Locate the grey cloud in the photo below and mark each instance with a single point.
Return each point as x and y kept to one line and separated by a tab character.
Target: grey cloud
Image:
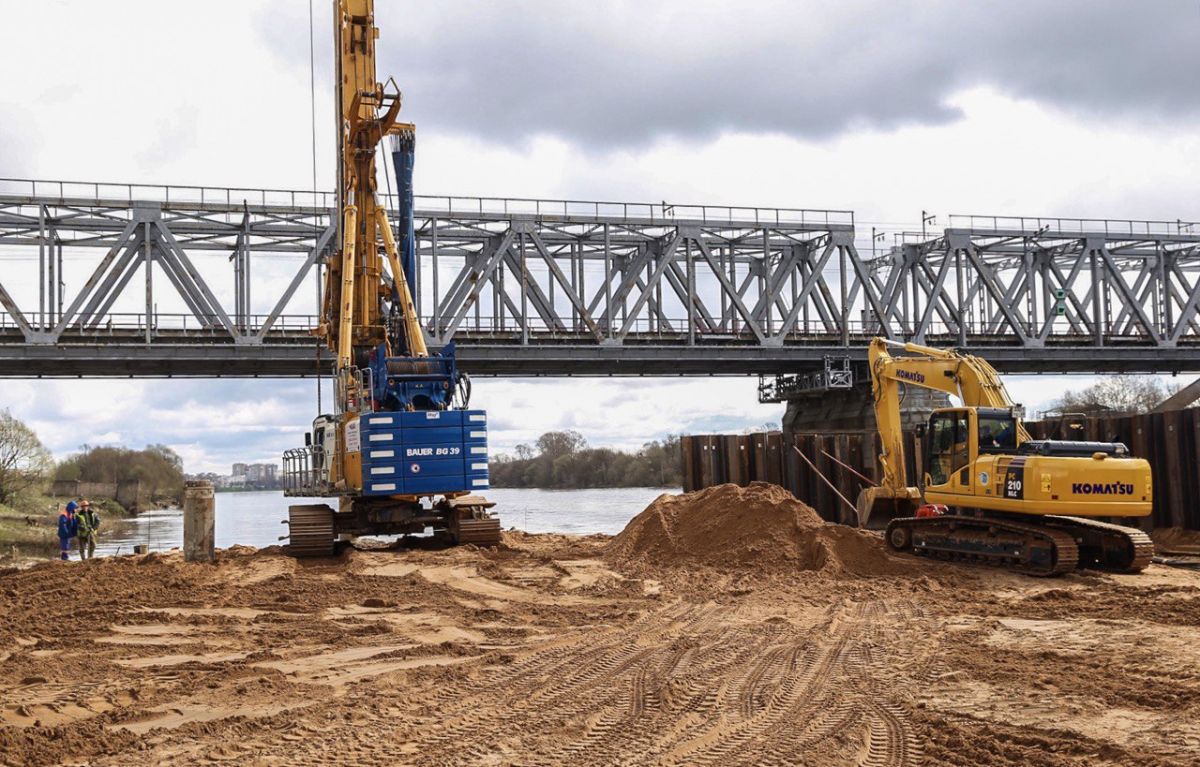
617	74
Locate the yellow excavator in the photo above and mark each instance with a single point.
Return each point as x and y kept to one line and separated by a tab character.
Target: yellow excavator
991	494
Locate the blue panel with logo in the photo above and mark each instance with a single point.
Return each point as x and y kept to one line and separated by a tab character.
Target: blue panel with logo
430	418
424	452
438	452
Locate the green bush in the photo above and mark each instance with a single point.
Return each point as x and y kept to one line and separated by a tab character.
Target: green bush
157	467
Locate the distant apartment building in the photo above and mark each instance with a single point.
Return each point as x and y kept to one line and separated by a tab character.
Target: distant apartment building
259	475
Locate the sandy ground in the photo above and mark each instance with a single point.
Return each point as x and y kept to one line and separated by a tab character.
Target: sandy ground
544	652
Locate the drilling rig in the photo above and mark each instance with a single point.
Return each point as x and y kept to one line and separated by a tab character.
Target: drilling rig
401	453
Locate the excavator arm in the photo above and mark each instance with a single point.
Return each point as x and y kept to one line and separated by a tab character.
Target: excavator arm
972	379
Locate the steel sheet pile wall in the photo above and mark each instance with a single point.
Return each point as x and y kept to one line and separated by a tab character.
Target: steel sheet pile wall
1170	441
713	459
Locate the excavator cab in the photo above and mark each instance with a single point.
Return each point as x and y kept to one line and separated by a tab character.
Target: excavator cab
955	437
947	441
952	441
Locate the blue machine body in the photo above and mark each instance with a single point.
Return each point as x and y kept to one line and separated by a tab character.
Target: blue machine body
415	443
430	452
414	383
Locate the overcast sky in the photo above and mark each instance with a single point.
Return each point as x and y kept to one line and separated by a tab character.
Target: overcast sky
887	108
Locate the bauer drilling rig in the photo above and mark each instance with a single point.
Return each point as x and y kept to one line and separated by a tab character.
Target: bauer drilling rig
401	454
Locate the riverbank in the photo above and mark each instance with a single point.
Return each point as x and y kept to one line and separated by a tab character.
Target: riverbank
29	526
548	650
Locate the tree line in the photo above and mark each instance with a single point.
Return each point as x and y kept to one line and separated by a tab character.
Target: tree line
26	465
158	468
562	459
1115	395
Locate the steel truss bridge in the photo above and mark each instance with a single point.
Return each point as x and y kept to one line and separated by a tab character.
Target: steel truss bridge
130	280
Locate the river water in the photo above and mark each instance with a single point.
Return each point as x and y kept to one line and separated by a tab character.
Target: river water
254	519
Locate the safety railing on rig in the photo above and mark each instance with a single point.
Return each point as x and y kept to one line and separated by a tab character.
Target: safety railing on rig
354	390
305	472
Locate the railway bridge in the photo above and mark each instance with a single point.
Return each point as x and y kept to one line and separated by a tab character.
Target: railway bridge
133	280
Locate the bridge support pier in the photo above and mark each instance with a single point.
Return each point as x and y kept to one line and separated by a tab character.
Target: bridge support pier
852	410
199	521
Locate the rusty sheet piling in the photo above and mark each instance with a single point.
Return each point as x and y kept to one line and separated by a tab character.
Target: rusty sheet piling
847	460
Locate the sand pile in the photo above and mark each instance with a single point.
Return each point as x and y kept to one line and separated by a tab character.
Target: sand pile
1175	540
761	526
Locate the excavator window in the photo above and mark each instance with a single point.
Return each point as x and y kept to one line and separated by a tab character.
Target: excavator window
947	445
997	433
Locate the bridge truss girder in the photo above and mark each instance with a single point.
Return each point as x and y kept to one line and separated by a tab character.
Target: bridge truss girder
560	287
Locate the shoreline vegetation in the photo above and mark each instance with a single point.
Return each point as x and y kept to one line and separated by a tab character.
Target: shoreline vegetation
29	514
562	460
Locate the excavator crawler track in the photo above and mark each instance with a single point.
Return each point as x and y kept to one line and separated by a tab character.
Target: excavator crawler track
1105	546
1028	548
311	531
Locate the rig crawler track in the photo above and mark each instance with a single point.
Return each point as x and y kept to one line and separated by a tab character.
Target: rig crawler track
480	532
1051	546
311	530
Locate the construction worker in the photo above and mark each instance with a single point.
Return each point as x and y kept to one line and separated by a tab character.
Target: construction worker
89	524
68	526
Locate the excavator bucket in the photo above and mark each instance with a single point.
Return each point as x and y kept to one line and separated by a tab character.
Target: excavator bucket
879	505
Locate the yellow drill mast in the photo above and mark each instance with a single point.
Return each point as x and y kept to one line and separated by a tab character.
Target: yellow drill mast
352	317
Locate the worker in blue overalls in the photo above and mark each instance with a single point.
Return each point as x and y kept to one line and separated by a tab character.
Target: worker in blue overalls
68	527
